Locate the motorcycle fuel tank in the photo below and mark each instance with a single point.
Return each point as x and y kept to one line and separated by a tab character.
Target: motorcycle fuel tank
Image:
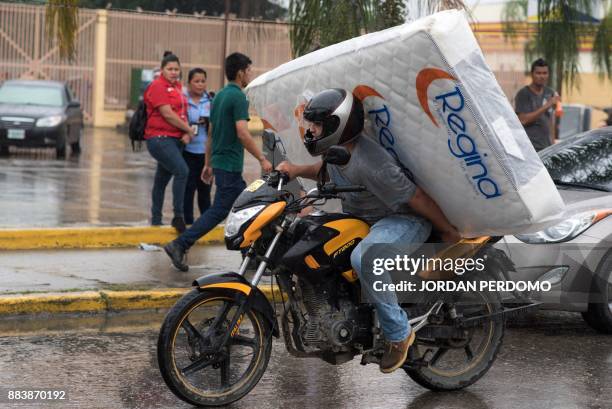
325	246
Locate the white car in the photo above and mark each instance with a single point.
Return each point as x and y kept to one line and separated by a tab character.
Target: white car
575	256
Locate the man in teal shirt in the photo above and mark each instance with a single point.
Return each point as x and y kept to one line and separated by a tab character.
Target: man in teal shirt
229	136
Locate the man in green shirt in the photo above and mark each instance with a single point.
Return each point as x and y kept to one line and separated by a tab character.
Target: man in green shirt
229	136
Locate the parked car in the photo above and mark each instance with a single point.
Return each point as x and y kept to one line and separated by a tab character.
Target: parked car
36	113
574	256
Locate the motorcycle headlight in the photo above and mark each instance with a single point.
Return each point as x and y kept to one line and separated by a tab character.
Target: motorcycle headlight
49	121
564	231
236	219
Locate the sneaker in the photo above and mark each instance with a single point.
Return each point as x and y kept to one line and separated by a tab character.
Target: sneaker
177	255
395	354
179	224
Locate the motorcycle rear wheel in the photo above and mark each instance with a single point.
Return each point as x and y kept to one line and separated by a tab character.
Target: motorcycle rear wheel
464	364
181	351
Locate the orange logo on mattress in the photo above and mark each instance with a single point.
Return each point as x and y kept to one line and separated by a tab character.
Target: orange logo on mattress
424	78
361	92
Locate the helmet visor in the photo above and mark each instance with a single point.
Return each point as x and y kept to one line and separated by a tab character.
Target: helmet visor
314	129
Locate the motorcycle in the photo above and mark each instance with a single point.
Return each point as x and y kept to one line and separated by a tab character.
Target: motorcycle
216	341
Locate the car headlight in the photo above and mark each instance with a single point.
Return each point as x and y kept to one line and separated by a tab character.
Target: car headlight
237	219
50	121
564	231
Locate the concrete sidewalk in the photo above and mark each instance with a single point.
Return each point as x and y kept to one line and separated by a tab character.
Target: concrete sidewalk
94	237
98	280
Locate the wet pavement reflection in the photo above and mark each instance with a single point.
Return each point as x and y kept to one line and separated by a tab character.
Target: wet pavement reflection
107	269
107	184
550	360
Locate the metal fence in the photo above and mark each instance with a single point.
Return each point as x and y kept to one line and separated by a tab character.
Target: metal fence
134	40
27	53
139	40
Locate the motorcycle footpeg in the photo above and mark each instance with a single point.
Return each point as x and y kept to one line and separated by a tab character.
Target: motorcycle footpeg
414	361
372	357
415	364
369	358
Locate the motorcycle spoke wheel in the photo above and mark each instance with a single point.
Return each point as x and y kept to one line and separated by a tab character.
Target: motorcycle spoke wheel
454	363
220	370
459	356
201	361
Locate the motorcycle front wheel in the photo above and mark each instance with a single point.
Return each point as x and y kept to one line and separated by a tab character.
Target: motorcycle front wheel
193	363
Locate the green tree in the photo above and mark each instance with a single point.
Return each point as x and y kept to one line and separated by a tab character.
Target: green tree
61	21
319	23
561	26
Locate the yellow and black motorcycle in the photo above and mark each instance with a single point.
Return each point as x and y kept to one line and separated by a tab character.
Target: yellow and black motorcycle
215	343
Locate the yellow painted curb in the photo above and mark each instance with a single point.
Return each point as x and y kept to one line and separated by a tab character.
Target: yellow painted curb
94	301
142	300
90	301
93	237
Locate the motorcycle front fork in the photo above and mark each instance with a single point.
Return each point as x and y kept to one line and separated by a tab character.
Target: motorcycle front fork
264	263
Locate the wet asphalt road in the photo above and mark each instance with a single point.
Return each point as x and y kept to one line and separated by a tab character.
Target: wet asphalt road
549	360
107	184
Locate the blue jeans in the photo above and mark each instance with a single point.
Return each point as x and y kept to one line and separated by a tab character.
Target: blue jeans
409	231
195	162
229	186
169	155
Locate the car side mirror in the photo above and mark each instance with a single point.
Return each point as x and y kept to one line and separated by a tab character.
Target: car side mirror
337	155
74	104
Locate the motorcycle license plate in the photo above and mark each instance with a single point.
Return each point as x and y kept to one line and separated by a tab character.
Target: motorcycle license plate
16	134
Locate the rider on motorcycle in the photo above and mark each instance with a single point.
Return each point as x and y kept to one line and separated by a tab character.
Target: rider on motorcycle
397	210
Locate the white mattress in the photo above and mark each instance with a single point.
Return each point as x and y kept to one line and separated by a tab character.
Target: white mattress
432	101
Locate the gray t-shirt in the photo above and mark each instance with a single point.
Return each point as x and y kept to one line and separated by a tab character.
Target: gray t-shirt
388	187
538	131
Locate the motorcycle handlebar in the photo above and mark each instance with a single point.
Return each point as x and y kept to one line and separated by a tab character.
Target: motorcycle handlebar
284	177
350	188
331	188
277	178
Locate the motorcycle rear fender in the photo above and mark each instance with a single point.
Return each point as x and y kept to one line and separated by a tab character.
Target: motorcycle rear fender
235	282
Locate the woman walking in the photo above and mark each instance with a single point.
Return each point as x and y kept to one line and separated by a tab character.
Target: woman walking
166	133
195	152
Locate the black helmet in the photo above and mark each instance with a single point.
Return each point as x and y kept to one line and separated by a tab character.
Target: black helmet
341	115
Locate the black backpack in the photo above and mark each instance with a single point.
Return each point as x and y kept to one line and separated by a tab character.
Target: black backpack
138	123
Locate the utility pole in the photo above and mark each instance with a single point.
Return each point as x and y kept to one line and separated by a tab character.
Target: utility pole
224	46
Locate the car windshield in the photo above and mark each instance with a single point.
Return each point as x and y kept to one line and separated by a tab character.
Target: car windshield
585	160
16	94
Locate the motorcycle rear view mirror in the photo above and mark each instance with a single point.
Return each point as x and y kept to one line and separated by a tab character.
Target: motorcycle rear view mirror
337	155
269	140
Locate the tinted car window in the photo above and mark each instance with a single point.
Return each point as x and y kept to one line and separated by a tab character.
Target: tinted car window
586	159
31	95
